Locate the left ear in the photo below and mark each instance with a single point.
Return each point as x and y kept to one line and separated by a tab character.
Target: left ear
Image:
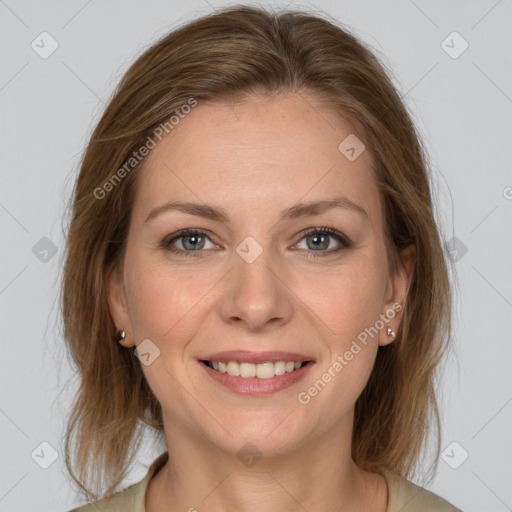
397	292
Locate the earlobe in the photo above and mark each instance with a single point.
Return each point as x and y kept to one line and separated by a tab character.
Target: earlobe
118	310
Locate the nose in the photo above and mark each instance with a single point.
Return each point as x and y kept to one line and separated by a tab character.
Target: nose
256	294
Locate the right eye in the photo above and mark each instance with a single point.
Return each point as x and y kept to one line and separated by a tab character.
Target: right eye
191	240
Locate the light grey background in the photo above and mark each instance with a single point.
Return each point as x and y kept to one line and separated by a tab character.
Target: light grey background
463	107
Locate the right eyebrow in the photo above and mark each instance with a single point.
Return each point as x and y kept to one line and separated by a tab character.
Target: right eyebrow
200	210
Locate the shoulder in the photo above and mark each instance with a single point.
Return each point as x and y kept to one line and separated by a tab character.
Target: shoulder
122	501
130	499
406	496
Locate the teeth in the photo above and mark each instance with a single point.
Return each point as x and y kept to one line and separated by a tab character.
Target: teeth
279	368
246	369
265	370
234	369
261	370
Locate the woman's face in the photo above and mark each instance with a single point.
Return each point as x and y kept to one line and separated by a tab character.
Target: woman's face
254	281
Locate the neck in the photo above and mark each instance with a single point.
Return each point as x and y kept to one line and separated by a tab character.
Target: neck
320	475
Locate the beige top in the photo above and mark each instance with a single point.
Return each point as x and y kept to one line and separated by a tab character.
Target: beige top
403	495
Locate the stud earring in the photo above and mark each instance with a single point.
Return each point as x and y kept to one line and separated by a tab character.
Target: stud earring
121	335
391	332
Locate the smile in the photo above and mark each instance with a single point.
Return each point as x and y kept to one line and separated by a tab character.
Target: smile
265	370
255	379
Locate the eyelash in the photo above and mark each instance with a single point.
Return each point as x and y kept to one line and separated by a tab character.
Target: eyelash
166	243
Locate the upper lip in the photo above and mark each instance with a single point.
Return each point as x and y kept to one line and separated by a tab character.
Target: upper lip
245	356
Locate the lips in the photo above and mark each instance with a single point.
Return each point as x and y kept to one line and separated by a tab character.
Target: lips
256	373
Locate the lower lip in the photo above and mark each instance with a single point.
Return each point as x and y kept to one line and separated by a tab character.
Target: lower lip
254	386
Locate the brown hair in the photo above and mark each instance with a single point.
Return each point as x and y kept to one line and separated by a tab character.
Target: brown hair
233	53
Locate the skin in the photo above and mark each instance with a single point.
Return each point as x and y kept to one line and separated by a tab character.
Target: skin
255	159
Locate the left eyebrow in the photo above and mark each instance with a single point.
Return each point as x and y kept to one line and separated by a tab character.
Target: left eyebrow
294	212
318	207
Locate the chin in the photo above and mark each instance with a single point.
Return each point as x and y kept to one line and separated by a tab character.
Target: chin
265	435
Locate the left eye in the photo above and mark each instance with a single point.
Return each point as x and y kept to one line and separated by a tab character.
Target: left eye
320	240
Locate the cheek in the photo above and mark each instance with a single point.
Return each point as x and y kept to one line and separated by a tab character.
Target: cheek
165	302
347	300
346	305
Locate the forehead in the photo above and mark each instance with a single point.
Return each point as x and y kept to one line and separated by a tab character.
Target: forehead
263	151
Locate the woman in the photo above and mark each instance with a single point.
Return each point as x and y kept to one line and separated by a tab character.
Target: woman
254	270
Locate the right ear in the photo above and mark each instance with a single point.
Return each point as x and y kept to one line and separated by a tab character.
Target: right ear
117	303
